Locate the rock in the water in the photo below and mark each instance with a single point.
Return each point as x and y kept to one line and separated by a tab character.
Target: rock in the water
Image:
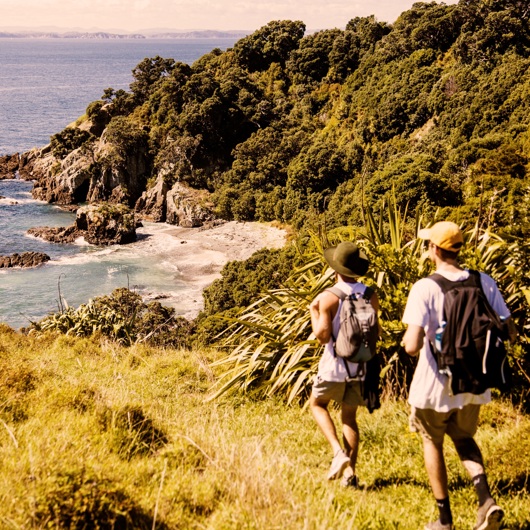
26	259
102	224
56	234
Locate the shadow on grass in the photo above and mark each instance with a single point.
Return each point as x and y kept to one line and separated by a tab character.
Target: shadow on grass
517	484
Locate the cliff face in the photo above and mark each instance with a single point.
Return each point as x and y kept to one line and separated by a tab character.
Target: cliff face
102	170
91	173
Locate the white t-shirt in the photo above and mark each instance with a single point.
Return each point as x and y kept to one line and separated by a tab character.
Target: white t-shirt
332	368
430	389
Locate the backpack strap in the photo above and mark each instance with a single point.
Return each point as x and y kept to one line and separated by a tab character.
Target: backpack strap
446	285
337	292
342	295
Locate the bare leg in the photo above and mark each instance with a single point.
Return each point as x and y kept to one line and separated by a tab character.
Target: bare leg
322	417
470	456
435	466
350	433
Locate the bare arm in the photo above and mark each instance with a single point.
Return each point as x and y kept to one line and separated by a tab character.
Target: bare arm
512	330
322	310
413	339
374	300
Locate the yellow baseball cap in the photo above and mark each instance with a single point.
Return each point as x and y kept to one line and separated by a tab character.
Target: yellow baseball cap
444	234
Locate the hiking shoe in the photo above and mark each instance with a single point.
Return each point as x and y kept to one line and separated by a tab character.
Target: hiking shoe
349	481
339	463
489	516
437	525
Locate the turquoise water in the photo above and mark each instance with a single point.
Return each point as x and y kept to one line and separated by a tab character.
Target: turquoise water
77	272
44	85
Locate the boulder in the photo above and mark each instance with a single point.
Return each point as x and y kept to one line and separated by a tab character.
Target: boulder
25	260
188	207
106	224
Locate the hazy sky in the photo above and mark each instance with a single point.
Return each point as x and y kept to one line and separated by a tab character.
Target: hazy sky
135	15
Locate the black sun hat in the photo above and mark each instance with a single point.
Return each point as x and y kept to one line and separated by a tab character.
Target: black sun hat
347	259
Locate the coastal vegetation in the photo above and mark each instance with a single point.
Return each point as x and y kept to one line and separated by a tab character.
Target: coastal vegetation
118	414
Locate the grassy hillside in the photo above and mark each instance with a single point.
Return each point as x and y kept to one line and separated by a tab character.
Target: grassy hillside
94	435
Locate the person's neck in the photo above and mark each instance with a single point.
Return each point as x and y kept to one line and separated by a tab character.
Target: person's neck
448	266
347	279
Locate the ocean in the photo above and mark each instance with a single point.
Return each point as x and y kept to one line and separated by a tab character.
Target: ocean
45	84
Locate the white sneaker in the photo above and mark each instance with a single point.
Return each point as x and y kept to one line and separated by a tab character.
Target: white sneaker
339	463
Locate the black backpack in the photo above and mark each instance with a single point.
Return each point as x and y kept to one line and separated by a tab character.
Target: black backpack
472	353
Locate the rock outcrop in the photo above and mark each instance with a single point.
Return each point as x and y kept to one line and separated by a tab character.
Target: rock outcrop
106	224
9	165
60	181
188	207
25	260
103	224
56	234
152	203
111	164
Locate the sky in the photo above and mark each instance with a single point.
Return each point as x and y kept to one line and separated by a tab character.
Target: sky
137	15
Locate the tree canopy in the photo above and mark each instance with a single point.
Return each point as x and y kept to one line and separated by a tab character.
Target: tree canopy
283	123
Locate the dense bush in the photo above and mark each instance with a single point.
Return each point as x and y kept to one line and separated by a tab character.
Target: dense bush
270	345
241	284
68	140
283	122
122	316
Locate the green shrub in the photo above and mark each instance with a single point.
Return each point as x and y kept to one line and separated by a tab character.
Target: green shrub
122	316
68	140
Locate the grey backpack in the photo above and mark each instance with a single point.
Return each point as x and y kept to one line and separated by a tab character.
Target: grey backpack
359	329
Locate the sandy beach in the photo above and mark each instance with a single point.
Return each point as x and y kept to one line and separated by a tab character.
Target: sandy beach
197	255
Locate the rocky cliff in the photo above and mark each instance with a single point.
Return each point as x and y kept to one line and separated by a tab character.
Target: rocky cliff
92	163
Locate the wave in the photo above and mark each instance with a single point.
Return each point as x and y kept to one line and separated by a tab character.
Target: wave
84	257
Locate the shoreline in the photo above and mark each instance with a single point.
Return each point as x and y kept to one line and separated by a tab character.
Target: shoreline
198	254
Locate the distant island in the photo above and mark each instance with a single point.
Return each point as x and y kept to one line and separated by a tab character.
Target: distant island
196	34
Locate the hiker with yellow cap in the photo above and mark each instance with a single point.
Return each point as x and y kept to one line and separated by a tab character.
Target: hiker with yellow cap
442	403
344	379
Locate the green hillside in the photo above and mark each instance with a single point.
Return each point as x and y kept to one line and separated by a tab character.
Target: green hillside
363	133
98	436
284	123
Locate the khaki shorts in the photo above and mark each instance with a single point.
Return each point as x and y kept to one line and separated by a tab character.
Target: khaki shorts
458	424
341	392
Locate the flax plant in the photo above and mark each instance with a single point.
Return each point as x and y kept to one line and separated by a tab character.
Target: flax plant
270	344
272	347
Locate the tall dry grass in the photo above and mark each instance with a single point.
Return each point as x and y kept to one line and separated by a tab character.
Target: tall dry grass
94	435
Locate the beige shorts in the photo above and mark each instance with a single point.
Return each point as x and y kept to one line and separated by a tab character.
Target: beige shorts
457	423
341	392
